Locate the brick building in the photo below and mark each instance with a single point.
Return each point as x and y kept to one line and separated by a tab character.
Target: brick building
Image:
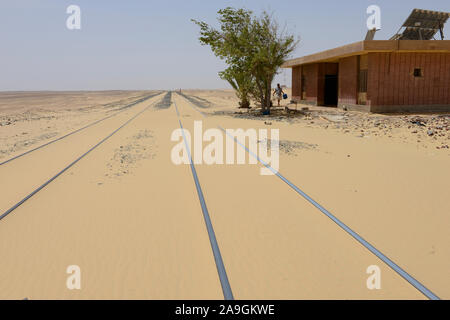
376	76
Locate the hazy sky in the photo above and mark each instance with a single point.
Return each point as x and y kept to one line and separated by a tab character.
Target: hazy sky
137	44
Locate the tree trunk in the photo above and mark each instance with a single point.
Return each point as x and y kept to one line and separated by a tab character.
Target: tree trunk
245	103
268	96
263	103
268	92
261	96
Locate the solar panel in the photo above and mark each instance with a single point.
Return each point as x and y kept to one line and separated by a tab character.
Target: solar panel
422	25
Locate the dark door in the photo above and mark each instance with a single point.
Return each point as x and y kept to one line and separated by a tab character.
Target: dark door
331	90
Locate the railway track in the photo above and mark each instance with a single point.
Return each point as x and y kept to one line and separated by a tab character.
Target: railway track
42	186
390	263
219	264
80	129
225	284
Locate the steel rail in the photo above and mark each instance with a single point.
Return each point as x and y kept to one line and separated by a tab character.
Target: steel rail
226	288
80	129
415	283
18	204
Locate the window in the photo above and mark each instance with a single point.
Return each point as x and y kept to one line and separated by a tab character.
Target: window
418	72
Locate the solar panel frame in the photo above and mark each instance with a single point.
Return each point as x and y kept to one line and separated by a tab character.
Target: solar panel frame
422	25
417	34
427	18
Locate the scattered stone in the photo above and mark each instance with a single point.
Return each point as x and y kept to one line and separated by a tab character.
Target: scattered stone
139	147
290	147
334	118
418	121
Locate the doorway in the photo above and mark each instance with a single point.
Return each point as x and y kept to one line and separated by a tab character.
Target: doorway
331	90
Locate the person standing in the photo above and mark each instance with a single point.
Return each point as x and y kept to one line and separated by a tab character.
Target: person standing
279	93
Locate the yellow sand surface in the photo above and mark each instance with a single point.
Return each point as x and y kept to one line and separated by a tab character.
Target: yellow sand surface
132	221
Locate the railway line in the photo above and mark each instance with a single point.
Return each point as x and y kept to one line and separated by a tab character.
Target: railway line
69	215
226	288
249	250
72	163
395	267
79	130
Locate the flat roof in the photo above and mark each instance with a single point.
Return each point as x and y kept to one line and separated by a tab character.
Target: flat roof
363	47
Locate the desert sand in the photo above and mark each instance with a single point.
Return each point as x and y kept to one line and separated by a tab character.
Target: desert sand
132	221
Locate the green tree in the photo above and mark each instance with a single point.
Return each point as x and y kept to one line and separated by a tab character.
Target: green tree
241	81
225	44
254	48
268	47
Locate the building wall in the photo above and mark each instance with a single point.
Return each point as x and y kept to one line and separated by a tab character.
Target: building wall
314	75
331	68
310	74
392	86
320	84
296	82
348	81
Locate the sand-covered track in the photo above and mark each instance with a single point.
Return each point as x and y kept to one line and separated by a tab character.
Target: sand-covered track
415	283
36	190
226	287
165	103
197	101
121	109
137	236
342	227
142	235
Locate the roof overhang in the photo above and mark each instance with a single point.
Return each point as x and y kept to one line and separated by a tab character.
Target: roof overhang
363	47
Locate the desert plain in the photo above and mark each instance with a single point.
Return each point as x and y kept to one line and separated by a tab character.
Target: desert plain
132	221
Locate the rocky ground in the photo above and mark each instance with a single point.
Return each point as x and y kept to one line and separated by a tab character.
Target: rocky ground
166	102
29	119
288	147
126	157
428	131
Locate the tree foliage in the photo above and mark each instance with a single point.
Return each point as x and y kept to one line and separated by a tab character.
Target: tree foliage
240	81
254	48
